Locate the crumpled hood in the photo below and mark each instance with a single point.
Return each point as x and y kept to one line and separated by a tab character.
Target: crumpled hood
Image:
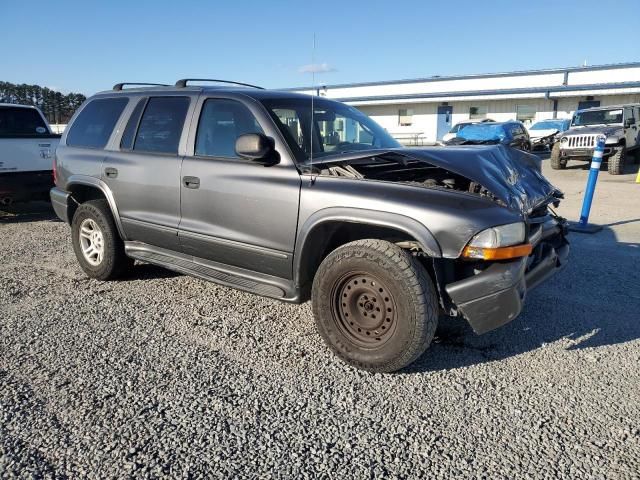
512	175
608	131
533	134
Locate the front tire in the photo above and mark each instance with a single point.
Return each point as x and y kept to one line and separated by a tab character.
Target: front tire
96	242
616	161
374	305
557	163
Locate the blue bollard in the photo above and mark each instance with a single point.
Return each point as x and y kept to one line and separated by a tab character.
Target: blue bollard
583	225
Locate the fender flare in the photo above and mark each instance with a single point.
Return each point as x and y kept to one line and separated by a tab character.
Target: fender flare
93	182
396	221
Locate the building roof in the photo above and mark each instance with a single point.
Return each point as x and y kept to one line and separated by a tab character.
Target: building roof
437	78
620	78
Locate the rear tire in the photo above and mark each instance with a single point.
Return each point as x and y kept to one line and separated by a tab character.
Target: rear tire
96	242
557	163
374	305
616	161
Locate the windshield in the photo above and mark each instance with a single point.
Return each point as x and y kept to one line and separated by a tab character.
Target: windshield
483	132
597	117
458	126
549	125
337	127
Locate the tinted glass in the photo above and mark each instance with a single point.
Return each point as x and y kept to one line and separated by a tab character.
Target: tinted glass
95	122
21	121
221	123
130	131
161	125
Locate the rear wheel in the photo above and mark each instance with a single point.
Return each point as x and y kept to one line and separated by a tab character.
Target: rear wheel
616	161
374	305
96	242
557	163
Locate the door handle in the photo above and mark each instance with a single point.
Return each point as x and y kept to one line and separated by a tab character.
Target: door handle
111	172
191	182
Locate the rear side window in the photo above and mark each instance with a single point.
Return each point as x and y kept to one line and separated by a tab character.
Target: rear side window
95	122
221	123
130	131
21	122
161	125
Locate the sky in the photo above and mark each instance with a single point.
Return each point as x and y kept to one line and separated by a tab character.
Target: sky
87	46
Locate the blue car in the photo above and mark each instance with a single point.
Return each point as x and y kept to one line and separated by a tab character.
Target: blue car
512	133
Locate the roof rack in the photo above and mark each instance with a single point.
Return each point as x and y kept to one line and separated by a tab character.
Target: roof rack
118	86
183	82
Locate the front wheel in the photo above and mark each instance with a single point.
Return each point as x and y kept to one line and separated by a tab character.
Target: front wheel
374	305
557	163
616	161
96	242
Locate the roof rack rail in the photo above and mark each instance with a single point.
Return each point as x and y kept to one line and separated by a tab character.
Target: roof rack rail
183	82
118	86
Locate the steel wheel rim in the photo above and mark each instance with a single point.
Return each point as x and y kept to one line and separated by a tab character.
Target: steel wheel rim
91	242
364	309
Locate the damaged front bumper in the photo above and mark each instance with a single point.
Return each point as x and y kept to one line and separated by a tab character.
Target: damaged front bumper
495	296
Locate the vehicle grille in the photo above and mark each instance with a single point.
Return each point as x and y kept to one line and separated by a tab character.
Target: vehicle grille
581	141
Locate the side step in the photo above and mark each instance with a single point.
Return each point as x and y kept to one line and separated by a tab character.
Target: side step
223	274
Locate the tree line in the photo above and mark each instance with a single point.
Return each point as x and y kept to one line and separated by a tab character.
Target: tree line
56	106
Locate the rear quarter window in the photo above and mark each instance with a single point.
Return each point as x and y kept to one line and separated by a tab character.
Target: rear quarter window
23	122
94	125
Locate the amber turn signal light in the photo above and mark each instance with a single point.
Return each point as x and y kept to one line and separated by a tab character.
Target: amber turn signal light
500	253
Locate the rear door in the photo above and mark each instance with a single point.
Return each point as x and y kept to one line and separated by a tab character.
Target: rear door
234	211
143	172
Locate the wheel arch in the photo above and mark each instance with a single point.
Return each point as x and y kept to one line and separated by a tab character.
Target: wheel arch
328	229
83	188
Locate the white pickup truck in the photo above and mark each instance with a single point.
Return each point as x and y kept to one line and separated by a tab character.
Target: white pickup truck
27	147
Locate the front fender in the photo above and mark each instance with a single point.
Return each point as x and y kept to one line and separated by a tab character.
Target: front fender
351	215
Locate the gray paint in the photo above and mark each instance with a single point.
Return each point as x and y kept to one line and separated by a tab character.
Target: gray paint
256	227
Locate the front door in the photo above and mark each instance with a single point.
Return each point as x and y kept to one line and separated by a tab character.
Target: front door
235	211
144	175
444	120
631	132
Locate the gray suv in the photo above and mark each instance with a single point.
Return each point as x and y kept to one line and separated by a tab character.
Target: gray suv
296	197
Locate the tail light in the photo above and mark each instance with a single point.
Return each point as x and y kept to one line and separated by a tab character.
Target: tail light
53	170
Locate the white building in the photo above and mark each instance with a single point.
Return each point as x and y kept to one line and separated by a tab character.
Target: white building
423	110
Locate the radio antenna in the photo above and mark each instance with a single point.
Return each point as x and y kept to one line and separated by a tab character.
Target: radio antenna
311	126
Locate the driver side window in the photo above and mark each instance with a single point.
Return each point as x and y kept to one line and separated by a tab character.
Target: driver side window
221	122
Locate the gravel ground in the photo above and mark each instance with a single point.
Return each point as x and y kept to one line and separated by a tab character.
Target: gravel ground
162	375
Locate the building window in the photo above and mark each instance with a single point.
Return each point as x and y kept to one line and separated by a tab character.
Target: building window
477	112
405	117
525	114
588	104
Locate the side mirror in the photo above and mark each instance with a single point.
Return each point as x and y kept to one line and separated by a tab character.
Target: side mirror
629	122
257	147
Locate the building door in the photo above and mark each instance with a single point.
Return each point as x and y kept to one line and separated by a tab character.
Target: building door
444	120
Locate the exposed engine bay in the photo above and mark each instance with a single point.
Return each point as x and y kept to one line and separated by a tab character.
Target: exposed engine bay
408	171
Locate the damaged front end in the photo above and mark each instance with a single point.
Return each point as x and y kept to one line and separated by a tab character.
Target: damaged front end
491	294
487	291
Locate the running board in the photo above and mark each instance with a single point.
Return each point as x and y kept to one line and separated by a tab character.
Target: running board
260	284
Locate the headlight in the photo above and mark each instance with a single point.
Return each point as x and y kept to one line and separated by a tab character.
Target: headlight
498	243
611	140
564	140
